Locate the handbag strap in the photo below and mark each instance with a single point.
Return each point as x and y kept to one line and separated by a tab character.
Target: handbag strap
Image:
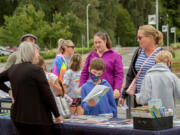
144	63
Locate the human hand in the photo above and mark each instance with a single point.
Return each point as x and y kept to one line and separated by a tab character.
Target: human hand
50	83
121	101
116	93
91	102
59	120
11	95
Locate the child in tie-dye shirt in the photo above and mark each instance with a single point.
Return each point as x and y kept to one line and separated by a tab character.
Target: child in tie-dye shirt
71	83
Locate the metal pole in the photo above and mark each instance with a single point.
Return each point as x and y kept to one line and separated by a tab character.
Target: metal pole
157	16
175	39
82	37
168	36
87	25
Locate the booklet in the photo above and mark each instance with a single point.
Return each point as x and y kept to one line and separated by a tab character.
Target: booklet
97	93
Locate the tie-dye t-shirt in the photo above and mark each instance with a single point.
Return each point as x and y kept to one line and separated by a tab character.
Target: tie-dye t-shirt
71	79
59	66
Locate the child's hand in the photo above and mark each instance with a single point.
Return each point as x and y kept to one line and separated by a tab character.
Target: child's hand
116	93
91	102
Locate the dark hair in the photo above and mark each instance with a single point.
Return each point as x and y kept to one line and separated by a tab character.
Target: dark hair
97	64
41	62
104	37
75	63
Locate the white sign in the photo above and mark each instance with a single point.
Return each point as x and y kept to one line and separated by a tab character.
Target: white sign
173	30
151	19
164	28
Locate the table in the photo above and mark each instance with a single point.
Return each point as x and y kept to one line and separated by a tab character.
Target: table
68	128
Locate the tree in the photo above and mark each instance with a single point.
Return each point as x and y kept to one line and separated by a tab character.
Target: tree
125	29
27	20
108	13
172	9
79	9
7	7
139	10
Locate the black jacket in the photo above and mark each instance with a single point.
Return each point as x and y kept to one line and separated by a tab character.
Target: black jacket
34	101
131	72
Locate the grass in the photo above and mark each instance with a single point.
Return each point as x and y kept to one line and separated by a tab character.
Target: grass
176	61
177	55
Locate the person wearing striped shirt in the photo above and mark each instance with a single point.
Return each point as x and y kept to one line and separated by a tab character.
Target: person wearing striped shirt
150	41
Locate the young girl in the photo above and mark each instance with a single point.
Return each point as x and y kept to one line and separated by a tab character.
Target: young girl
56	88
71	83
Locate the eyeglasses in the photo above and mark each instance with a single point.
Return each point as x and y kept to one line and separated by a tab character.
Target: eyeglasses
140	37
71	46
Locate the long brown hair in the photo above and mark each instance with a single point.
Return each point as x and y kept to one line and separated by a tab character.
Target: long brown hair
75	62
104	37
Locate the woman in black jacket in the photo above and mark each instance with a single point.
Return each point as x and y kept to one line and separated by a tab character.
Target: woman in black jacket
34	103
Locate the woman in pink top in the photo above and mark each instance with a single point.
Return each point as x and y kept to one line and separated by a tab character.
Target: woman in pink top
114	67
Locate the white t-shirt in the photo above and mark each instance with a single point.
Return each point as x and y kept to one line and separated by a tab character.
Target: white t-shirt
71	79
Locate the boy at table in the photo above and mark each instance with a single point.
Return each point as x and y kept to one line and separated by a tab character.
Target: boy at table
107	104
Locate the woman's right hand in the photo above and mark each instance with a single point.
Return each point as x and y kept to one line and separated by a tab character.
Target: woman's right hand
11	95
59	120
121	101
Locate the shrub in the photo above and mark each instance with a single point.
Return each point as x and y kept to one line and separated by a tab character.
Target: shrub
3	58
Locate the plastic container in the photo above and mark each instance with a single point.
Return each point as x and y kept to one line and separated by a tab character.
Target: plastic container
153	123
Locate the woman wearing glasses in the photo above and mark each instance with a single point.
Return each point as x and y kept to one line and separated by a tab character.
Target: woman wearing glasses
62	60
150	40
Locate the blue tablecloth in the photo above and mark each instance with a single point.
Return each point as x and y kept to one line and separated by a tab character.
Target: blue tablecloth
68	128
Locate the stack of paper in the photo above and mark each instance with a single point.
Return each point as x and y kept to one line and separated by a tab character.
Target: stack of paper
97	93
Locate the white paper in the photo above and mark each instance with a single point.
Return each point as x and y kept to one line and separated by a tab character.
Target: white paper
97	93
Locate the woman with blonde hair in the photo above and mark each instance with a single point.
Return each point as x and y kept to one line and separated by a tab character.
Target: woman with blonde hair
61	62
150	41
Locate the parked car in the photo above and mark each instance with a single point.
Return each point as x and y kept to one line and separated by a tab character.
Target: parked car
4	51
12	49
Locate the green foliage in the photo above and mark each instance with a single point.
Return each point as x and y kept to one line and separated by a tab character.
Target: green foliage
24	20
108	12
50	20
51	54
75	26
177	45
3	58
27	20
170	14
139	10
125	29
84	50
57	29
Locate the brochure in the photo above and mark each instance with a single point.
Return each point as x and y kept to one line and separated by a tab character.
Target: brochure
97	93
